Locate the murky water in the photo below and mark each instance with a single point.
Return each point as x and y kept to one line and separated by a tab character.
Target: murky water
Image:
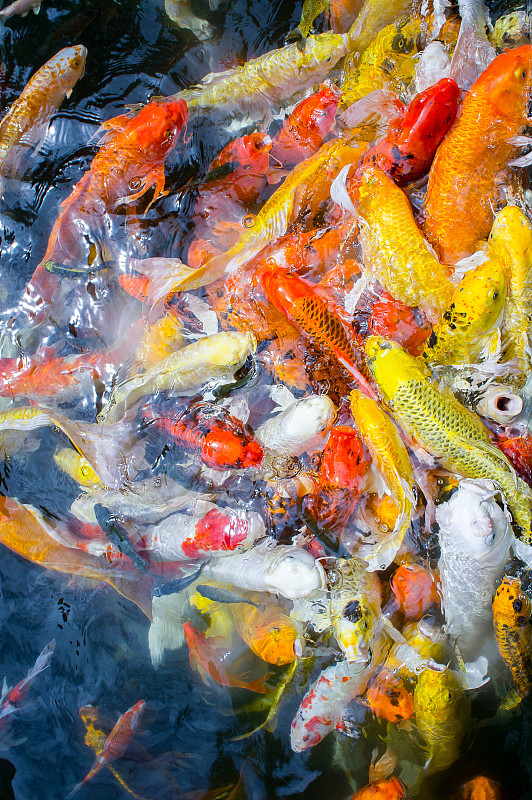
190	741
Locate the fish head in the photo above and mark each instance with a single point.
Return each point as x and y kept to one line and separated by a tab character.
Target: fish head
512	232
320	51
437	690
296	574
507	84
390	365
275	640
343	464
70	64
512	603
479	299
354	629
156	128
311	415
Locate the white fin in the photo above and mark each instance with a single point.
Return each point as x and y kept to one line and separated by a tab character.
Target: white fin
203	312
522	161
339	193
378	102
166	630
476	672
282	396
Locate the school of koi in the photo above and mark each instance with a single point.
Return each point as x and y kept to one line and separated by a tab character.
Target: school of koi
311	446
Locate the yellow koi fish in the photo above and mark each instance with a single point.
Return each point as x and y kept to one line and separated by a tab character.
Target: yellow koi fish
373	17
443	426
395	252
475	310
511	242
77	467
511	621
26	119
390	456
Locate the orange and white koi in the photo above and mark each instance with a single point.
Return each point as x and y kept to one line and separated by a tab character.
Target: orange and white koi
304	131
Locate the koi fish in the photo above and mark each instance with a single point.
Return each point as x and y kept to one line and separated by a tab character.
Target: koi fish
269	633
406	265
317	316
388	63
395	320
518	450
511	621
443	426
388	698
475	539
310	11
461	191
269	79
21	7
25	532
12	698
160	340
182	537
414	590
372	18
443	714
475	310
299	428
208	358
480	788
390	457
116	743
26	120
390	789
285	569
77	467
220	440
130	161
304	131
511	242
207	656
407	150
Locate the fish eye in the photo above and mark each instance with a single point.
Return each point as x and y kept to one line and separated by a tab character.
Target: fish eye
135	183
520	74
275	629
494	295
517	605
490	538
75	63
168	133
449	695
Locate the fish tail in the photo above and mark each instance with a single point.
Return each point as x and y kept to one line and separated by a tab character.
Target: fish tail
75	790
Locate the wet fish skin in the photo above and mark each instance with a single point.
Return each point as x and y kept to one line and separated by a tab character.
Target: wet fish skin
512	610
310	12
77	467
461	190
389	789
443	426
21	7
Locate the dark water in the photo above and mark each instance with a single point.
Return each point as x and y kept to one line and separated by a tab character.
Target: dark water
101	655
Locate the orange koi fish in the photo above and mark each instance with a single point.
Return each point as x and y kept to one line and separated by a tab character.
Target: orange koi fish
12	699
26	533
480	788
512	610
388	698
395	320
414	589
317	316
129	162
208	654
116	743
248	152
270	634
210	432
407	150
518	450
304	131
462	181
391	789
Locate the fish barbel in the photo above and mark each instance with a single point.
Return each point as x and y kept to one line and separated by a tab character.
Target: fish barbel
268	79
511	620
511	242
390	456
475	309
395	252
461	191
26	119
209	358
443	426
443	715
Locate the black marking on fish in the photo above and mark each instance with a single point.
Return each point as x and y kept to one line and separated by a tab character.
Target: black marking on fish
118	536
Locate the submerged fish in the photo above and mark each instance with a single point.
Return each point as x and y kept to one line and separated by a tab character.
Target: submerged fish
12	698
26	119
299	428
512	610
443	426
21	7
390	789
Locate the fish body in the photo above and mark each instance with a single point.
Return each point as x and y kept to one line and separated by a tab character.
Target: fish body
511	242
395	252
372	18
12	699
26	119
512	610
475	309
388	63
389	789
324	703
304	131
209	358
407	150
397	321
317	316
310	11
414	589
475	539
299	428
180	12
480	788
443	426
267	567
461	191
220	440
268	632
443	714
270	78
390	457
77	467
182	537
116	743
21	7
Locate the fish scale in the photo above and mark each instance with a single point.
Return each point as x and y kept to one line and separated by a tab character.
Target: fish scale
511	618
319	323
443	426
